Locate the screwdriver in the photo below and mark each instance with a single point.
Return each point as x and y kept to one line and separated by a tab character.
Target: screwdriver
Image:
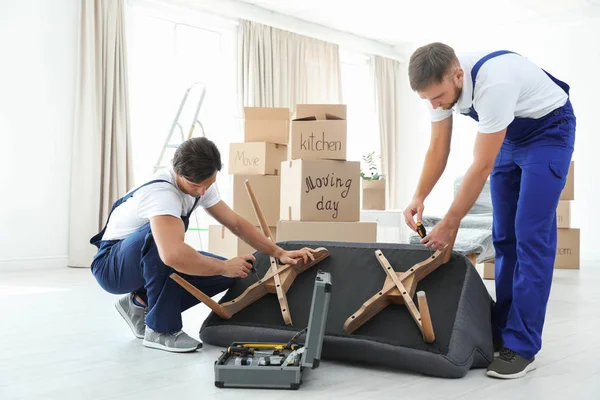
253	270
421	231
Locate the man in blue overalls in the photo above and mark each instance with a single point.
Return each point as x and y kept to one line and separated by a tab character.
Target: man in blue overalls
143	243
525	140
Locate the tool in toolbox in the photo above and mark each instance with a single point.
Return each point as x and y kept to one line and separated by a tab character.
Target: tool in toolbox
278	365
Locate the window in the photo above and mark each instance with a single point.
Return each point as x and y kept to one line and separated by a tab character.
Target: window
169	51
357	94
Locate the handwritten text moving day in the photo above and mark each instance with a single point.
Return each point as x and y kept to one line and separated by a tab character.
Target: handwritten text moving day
329	181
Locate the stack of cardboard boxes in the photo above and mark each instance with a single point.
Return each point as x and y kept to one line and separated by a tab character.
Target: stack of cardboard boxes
320	188
568	243
258	159
298	170
568	238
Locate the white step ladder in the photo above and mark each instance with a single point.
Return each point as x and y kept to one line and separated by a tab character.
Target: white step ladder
176	123
201	89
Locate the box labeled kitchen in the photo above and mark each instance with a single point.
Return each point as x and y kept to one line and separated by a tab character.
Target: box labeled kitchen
320	190
318	131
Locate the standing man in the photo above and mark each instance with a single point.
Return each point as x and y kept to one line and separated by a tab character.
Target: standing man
525	140
143	243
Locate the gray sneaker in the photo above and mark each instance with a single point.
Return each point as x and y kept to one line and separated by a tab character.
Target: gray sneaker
135	316
510	365
178	342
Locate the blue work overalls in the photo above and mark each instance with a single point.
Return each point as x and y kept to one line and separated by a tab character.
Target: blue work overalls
133	265
528	177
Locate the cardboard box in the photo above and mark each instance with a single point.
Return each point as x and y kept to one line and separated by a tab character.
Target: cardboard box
373	194
266	188
256	158
318	132
267	124
224	243
568	192
486	270
320	190
567	249
365	232
563	214
567	253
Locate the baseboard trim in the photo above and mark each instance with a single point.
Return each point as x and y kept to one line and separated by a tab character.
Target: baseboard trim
33	263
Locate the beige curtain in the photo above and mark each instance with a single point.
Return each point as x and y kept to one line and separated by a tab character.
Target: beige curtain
102	169
386	77
281	69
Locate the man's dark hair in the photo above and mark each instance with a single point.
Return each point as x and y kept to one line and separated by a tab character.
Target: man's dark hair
197	159
429	64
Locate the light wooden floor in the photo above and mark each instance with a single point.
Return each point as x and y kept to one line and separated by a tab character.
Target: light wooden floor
61	338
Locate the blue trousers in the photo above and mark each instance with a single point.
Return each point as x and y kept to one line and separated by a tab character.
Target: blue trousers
526	185
133	265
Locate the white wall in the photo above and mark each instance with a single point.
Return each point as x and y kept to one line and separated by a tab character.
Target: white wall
38	39
569	52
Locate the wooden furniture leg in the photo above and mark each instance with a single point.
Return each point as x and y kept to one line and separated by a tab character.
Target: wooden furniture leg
285	308
197	293
277	280
399	288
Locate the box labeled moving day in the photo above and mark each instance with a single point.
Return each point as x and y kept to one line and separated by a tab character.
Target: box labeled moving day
373	194
256	158
266	188
267	124
222	242
318	131
365	232
568	192
320	190
563	214
567	249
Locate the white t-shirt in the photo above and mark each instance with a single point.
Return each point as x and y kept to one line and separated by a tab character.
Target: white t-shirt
159	198
507	86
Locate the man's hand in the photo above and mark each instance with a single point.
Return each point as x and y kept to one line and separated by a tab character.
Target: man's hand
238	267
291	257
416	206
440	235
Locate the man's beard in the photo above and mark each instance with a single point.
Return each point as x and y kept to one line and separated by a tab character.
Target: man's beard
457	92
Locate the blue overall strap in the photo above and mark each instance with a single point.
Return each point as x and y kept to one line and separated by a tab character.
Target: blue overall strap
186	218
117	203
479	63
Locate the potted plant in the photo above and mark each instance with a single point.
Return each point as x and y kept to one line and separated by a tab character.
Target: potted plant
373	183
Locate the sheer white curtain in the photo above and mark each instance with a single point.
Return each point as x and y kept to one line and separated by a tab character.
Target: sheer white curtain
101	155
386	77
281	69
